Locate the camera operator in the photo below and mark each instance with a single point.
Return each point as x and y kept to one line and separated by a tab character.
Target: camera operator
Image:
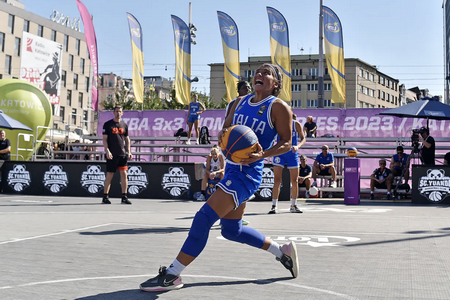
428	146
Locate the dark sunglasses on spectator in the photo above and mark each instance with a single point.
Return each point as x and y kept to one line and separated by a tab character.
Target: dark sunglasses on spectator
324	148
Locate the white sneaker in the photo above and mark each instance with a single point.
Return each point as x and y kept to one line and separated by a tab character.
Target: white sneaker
251	197
333	184
188	142
307	194
314	183
289	258
201	198
196	142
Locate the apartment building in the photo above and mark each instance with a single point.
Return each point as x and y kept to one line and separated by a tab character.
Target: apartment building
73	112
366	87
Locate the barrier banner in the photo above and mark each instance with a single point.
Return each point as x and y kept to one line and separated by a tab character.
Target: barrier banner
431	184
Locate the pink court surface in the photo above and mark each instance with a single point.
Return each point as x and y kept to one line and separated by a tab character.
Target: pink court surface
76	248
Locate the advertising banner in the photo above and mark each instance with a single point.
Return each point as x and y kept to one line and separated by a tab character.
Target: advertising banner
40	64
138	57
182	37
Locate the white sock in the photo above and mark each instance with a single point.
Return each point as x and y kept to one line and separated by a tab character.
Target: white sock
293	201
274	248
389	193
371	192
176	268
274	202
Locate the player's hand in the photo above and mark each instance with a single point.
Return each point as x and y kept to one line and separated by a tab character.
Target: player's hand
252	157
294	149
130	156
221	134
301	179
322	166
109	155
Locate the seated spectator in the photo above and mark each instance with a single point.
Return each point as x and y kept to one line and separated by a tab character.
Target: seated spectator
310	127
304	178
324	165
447	159
43	151
381	178
400	164
215	168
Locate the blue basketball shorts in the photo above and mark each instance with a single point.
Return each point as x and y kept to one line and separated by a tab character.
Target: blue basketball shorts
193	118
240	182
289	158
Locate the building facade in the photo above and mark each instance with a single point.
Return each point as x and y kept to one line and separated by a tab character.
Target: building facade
366	87
74	111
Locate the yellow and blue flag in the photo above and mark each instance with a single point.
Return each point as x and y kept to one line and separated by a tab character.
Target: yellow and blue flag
183	60
279	50
334	54
138	57
230	43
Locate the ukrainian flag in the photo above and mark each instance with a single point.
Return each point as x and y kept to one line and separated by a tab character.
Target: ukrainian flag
230	43
279	50
334	54
138	57
183	60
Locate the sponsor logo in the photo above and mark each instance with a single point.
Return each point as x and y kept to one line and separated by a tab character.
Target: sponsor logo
55	179
435	186
176	182
277	160
136	32
93	179
19	178
29	43
265	189
137	180
278	27
332	27
182	34
354	169
228	30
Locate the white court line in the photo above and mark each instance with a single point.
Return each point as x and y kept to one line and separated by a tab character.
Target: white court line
52	234
193	276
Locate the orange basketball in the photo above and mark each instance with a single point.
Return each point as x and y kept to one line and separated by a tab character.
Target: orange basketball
237	141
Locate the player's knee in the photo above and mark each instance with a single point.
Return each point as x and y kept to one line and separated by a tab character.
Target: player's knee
231	229
203	221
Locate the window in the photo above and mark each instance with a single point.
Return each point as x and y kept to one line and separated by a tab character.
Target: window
86	84
387	97
61	113
2	42
77	46
387	82
328	103
85	119
8	60
53	37
327	87
312	103
361	88
75	81
361	104
361	72
296	72
326	71
80	100
74	116
11	24
82	65
64	78
382	95
296	87
40	30
313	72
66	42
372	93
366	91
69	98
372	77
296	103
312	87
71	62
367	75
367	105
248	73
17	47
383	80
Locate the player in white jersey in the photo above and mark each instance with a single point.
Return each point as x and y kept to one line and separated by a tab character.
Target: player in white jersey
267	116
215	168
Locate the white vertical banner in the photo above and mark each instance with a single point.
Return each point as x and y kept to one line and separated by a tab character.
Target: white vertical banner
41	64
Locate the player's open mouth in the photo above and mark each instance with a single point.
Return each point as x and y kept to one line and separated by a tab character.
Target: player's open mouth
258	82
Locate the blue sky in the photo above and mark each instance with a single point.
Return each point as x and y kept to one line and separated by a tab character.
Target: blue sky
403	38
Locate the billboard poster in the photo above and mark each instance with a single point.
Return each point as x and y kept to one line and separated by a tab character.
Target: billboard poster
41	65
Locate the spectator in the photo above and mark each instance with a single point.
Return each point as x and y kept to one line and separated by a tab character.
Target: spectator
5	146
77	148
324	165
304	178
310	127
447	159
381	178
215	168
243	88
428	147
43	151
400	164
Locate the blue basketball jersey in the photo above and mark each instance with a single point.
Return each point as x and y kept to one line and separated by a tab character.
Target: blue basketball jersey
294	135
195	107
257	116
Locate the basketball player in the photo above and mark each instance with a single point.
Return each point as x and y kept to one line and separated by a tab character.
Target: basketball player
267	116
290	159
193	117
215	168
